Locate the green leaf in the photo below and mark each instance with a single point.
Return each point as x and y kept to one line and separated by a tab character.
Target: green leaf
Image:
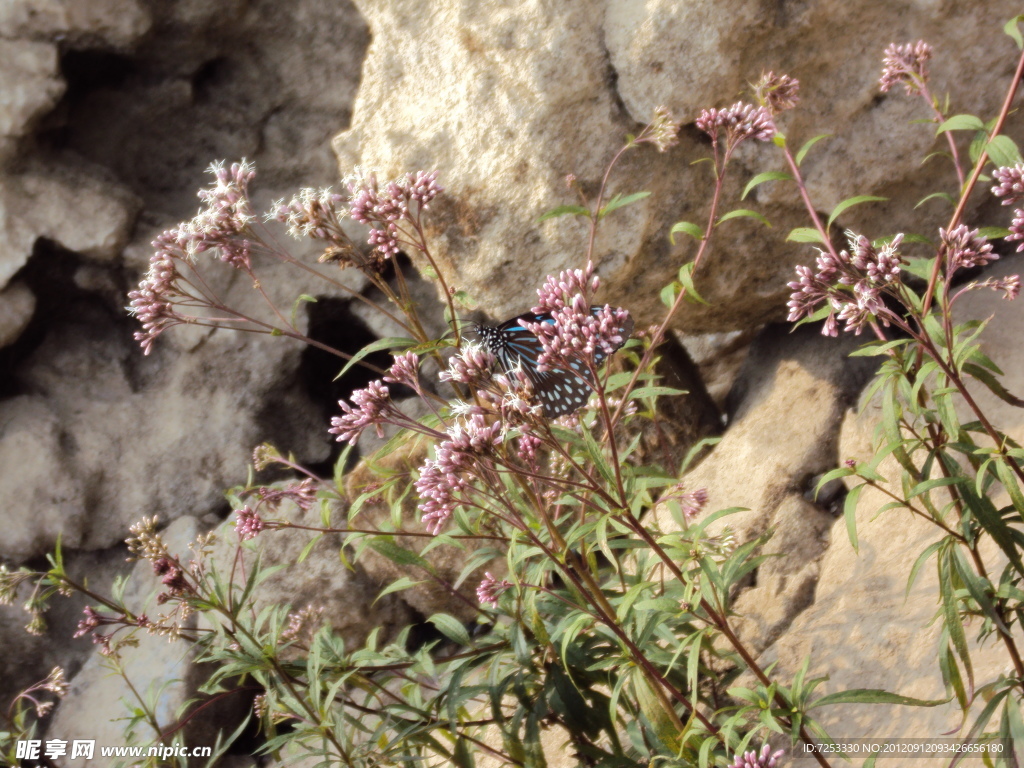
669	293
565	210
619	201
807	146
684	226
389	343
451	628
1010	28
655	392
745	213
850	514
961	123
1003	151
386	546
994	385
806	235
993	233
398	585
873	696
686	278
761	178
849	203
940	195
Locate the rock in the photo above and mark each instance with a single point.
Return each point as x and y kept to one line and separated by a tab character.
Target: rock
505	125
30	85
864	630
17	303
46	490
104	24
86	436
765	460
98	701
68	205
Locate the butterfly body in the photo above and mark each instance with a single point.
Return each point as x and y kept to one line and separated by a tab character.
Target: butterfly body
560	390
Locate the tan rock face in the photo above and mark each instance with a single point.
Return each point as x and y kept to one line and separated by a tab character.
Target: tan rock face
531	92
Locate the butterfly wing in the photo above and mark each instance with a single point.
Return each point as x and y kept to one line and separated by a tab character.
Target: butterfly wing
560	391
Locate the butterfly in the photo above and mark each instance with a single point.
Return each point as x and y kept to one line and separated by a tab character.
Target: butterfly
560	391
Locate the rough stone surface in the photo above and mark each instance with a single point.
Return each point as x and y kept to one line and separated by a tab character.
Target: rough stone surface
113	24
504	125
67	205
863	629
29	87
99	698
765	463
17	303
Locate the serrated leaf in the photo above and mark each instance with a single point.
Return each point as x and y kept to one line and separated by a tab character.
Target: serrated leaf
619	201
806	235
761	178
807	146
565	210
849	203
684	226
961	123
743	213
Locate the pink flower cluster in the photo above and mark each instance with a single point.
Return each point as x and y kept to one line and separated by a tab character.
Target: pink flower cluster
906	64
1010	187
248	523
312	213
442	479
852	284
302	494
372	407
740	121
223	224
490	588
578	333
472	366
751	759
965	248
382	207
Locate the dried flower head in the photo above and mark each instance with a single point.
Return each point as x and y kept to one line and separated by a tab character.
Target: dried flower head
777	92
145	543
302	494
302	625
906	64
664	129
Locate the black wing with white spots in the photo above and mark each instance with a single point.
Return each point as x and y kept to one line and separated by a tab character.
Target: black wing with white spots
560	391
